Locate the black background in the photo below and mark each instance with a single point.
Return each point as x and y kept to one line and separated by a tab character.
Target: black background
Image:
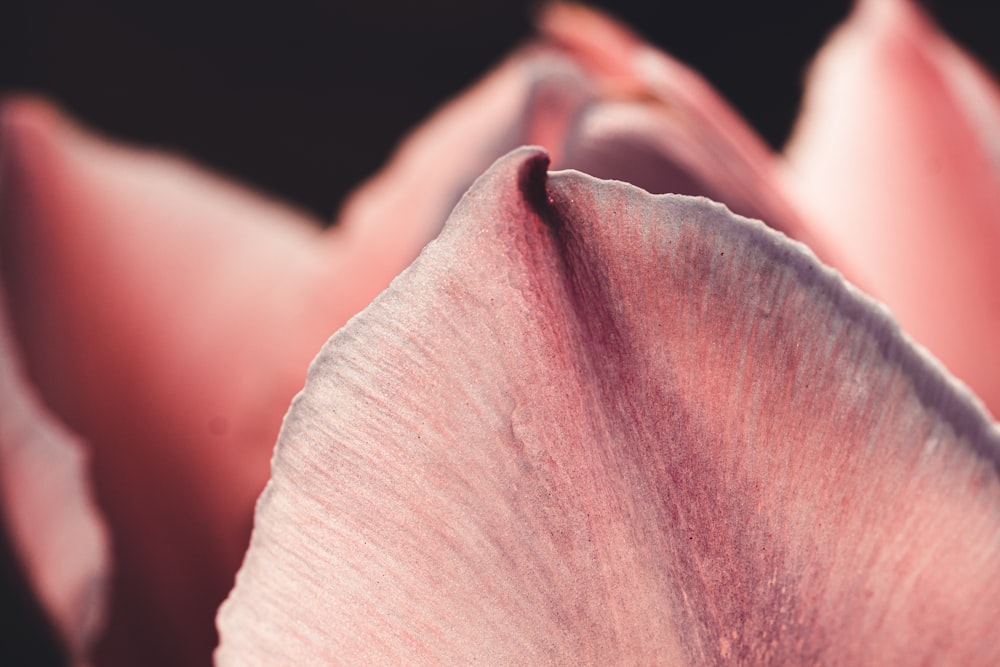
305	98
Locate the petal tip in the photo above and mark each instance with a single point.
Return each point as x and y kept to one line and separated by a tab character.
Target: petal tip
22	113
527	167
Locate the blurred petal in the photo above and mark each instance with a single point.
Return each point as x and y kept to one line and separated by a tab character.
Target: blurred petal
594	426
895	157
649	145
661	126
974	89
166	317
49	511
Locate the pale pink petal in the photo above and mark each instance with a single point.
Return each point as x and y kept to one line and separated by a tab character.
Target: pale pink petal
670	128
594	426
48	508
975	90
895	159
606	47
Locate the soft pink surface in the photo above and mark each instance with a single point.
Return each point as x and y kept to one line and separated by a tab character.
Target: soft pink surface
168	318
594	426
532	97
895	160
48	507
895	165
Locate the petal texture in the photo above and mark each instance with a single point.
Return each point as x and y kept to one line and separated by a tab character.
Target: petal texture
894	158
591	426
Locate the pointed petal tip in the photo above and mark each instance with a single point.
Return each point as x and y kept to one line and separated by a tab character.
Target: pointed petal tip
571	20
27	115
889	13
528	155
891	24
526	167
874	30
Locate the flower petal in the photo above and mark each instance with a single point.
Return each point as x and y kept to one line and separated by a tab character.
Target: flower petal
593	426
895	158
668	131
49	511
652	146
533	97
165	317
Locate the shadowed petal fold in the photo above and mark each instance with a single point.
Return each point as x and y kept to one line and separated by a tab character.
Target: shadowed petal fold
895	159
591	426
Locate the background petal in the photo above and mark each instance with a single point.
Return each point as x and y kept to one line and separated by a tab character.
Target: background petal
894	159
651	145
168	317
590	425
661	126
50	517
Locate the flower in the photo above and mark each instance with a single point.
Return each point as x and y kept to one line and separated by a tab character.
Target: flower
587	424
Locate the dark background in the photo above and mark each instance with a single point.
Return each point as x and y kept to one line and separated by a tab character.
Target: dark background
305	98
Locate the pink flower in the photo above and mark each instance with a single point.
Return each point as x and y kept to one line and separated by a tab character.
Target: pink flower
587	425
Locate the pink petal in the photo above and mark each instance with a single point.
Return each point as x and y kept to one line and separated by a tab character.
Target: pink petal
166	317
894	157
650	145
594	426
532	97
48	509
